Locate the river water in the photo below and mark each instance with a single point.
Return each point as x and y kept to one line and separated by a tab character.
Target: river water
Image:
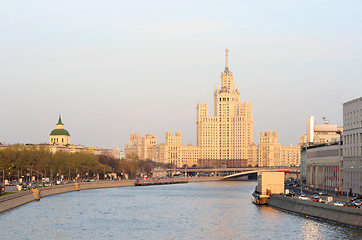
207	210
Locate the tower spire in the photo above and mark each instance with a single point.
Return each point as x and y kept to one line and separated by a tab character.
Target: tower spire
60	120
226	64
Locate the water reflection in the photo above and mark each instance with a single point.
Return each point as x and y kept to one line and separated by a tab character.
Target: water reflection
218	210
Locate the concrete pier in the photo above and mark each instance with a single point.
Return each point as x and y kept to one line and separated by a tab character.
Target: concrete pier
345	215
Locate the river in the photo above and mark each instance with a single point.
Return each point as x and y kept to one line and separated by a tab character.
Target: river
204	210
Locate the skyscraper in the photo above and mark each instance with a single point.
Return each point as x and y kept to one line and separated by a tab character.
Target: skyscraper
228	134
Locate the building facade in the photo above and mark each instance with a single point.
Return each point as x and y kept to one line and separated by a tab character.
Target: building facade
323	166
172	151
272	154
352	146
317	134
229	133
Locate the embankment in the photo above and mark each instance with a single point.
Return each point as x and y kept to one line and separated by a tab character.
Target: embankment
348	216
20	198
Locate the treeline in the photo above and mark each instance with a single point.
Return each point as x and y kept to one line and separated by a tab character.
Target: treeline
24	161
132	166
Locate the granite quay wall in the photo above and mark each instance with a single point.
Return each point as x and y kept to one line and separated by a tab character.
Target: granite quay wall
345	215
15	200
204	179
20	198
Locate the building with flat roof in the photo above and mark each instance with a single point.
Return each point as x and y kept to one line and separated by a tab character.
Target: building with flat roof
317	134
271	153
323	166
352	146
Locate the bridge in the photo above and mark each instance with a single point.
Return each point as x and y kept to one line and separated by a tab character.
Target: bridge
243	175
238	173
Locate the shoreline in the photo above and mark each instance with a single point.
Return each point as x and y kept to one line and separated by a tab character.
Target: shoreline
17	199
344	215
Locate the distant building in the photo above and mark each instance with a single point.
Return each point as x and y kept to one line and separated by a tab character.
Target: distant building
59	140
320	133
229	133
223	140
317	134
59	136
170	152
352	146
271	153
322	166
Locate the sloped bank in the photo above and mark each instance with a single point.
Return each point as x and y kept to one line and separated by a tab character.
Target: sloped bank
344	215
20	198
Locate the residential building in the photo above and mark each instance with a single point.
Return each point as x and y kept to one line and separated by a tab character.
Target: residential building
229	132
271	153
352	146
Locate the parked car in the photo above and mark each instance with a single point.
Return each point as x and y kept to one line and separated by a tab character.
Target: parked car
24	186
359	197
323	193
357	202
351	205
47	184
291	193
339	204
322	200
304	198
316	198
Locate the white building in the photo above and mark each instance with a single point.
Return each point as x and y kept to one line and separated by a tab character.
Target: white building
352	146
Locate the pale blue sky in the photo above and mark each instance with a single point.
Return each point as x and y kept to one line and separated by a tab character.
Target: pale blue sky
112	68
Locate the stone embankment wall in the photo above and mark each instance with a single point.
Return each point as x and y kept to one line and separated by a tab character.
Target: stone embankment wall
20	198
345	215
204	179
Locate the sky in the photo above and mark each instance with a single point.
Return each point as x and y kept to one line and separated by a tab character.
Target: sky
112	68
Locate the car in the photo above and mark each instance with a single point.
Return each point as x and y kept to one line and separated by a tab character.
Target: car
359	197
304	198
323	193
315	198
24	186
351	205
47	184
339	204
322	200
290	194
357	202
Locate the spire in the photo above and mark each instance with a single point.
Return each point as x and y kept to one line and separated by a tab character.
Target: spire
60	121
226	65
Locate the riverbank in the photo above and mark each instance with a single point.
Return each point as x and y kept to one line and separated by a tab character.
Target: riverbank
20	198
344	215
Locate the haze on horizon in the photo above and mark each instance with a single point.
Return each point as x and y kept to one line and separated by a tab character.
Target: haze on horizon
119	67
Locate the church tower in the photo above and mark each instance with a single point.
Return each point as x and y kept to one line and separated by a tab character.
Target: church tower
59	136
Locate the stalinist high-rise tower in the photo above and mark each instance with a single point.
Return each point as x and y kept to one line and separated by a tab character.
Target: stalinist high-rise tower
228	134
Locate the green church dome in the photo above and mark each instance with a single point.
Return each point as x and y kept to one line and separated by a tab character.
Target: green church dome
60	132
